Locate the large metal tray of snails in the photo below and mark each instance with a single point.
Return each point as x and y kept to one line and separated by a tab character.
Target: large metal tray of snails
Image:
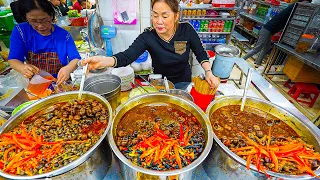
264	140
53	133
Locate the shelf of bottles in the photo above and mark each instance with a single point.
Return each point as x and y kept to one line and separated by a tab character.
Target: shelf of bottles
213	27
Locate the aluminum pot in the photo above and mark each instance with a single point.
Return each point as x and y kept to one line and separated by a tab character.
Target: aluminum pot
106	85
226	56
100	156
221	159
130	170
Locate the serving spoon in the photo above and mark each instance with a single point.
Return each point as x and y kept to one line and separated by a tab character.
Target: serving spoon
83	77
246	88
166	84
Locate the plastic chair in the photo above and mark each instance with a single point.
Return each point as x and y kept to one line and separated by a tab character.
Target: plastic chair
307	90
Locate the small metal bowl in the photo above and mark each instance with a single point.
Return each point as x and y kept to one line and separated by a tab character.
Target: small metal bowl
181	93
101	70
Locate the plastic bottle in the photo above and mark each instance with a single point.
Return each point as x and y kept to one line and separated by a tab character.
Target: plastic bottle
230	26
268	16
226	24
211	26
206	26
201	25
222	26
197	25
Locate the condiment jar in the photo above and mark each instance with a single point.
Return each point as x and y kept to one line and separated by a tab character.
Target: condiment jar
305	42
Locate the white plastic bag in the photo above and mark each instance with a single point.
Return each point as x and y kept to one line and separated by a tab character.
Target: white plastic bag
13	79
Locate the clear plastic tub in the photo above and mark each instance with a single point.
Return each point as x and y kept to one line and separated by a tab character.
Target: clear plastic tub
304	43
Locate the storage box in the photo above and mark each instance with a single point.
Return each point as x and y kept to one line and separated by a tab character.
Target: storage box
297	71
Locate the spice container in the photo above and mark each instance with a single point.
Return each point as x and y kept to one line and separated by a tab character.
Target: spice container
305	43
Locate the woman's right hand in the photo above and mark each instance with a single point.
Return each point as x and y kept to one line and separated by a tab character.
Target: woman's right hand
98	62
28	70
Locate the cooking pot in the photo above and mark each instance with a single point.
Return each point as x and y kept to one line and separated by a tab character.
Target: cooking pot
132	171
100	156
106	85
221	159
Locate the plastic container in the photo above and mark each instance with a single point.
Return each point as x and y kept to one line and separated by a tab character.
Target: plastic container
6	20
202	100
154	76
40	82
225	59
78	21
304	43
143	57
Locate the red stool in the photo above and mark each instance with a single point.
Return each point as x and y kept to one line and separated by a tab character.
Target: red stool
307	90
288	84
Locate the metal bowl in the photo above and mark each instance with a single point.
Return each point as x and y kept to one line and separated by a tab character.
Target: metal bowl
160	98
47	102
181	93
227	50
235	166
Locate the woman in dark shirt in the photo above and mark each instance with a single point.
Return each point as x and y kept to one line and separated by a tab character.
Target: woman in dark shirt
168	43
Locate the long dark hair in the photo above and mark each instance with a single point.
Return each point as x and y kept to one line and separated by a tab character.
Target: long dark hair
173	4
26	6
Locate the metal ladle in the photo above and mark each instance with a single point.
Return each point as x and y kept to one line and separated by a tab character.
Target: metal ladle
245	92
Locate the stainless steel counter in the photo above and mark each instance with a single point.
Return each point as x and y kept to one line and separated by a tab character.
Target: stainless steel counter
309	59
272	94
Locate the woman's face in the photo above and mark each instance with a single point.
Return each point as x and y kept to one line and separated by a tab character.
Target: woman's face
40	21
55	2
163	18
86	5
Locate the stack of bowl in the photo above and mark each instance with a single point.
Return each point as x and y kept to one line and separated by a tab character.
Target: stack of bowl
107	85
127	76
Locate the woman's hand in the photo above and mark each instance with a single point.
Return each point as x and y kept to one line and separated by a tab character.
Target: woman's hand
64	74
28	70
212	80
98	62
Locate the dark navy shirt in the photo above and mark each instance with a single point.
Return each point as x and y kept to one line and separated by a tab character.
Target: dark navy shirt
278	22
169	58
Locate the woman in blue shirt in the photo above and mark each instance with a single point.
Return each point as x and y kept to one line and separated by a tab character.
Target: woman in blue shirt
40	44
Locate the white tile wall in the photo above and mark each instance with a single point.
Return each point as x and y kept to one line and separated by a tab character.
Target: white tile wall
126	34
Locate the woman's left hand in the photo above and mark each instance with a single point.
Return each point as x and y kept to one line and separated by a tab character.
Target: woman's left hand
64	74
212	80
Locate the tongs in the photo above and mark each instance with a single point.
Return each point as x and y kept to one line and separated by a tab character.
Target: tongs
147	82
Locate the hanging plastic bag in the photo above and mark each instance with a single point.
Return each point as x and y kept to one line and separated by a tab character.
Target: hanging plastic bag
124	12
40	82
